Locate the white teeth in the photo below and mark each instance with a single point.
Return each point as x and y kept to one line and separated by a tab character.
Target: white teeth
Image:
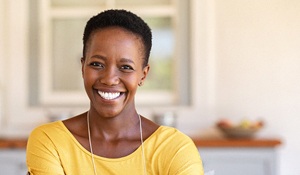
109	95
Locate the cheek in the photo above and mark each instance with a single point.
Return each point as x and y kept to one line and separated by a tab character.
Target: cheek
89	77
131	82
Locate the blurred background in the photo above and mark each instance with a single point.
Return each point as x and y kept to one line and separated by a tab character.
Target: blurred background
211	60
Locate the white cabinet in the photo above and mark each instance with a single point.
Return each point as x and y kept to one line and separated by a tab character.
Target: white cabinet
13	162
224	161
239	161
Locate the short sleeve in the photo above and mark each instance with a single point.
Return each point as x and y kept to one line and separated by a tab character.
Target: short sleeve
187	161
41	155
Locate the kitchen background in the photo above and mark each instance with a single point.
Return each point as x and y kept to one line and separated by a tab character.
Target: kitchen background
244	63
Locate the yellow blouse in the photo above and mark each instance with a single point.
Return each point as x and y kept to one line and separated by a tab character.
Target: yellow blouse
53	150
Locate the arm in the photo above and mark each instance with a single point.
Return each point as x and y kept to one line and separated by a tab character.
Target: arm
187	161
42	157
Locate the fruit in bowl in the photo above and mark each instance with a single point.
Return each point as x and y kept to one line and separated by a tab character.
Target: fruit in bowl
242	129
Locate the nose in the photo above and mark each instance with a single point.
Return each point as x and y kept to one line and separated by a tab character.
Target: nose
109	77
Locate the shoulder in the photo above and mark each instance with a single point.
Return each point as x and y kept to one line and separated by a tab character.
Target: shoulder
48	128
175	150
48	134
169	130
169	137
46	144
171	133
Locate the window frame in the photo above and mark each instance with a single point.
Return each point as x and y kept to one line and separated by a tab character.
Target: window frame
181	94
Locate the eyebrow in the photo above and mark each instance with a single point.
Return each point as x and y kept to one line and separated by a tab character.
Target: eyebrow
127	60
99	57
123	60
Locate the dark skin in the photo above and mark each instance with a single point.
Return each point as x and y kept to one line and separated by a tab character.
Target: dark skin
115	147
113	64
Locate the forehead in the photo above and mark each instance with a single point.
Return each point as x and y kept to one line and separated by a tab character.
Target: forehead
115	42
114	33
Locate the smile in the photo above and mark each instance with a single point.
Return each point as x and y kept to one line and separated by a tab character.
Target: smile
109	95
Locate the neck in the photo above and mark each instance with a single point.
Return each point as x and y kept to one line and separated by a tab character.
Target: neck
141	139
114	128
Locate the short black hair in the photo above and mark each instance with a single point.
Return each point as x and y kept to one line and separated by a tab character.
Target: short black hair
124	19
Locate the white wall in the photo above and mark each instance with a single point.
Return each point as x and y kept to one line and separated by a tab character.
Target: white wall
1	65
258	68
251	67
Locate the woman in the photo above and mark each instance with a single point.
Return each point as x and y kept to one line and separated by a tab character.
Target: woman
111	137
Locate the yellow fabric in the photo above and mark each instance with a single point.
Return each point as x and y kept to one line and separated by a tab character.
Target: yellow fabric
53	150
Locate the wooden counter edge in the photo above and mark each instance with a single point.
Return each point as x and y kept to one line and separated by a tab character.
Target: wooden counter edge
236	142
21	143
13	143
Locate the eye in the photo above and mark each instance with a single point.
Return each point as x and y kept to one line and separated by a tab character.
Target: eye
96	65
127	68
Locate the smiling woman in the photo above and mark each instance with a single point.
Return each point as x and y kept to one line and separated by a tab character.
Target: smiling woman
112	137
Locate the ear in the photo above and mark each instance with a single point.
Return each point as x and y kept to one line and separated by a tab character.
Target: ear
145	73
82	65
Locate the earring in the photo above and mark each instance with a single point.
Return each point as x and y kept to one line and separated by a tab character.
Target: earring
140	83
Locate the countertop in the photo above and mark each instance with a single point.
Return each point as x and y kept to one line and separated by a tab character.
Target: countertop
248	142
13	143
200	142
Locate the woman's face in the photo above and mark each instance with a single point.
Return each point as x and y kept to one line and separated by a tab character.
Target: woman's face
112	70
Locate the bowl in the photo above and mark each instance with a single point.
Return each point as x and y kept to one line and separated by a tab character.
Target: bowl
243	129
239	132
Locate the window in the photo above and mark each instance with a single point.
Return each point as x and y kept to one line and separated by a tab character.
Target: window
56	48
